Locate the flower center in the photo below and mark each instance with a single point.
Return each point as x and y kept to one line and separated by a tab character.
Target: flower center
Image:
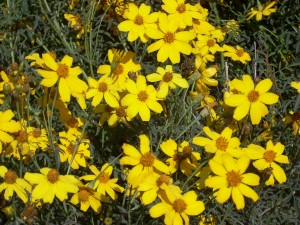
102	87
103	177
142	96
119	69
210	43
181	8
163	179
296	116
222	143
62	70
253	96
179	205
52	176
120	112
22	137
147	159
240	52
233	178
70	148
72	122
269	156
36	132
167	77
138	20
10	177
169	37
83	195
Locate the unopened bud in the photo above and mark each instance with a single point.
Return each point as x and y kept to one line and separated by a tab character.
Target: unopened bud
6	89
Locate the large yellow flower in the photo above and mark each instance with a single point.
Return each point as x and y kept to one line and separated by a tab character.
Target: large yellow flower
101	181
177	207
50	184
62	73
267	158
251	98
261	10
144	161
139	19
12	183
231	180
171	41
140	99
7	125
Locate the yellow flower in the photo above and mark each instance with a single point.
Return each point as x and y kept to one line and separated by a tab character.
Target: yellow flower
12	183
74	149
168	80
251	98
140	99
103	88
219	144
139	20
296	85
7	125
62	73
182	156
144	161
184	13
205	42
6	82
171	41
101	181
267	158
237	54
87	197
231	180
50	184
261	10
75	23
177	207
294	119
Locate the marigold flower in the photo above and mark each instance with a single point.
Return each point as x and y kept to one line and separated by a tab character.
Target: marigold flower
140	99
139	20
144	161
100	181
237	54
231	180
267	158
7	125
168	79
177	207
171	41
50	184
12	183
261	10
251	98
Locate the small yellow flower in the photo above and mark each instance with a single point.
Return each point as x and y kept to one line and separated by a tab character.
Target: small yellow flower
261	10
237	54
296	85
75	23
7	125
294	119
267	158
231	180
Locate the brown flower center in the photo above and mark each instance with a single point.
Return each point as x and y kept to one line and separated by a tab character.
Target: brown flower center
181	8
62	70
233	178
142	96
138	20
179	205
253	96
36	132
295	116
10	177
22	137
52	176
167	77
269	156
70	148
119	69
102	87
72	122
147	159
103	177
163	179
222	143
83	195
210	43
169	37
240	52
121	112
